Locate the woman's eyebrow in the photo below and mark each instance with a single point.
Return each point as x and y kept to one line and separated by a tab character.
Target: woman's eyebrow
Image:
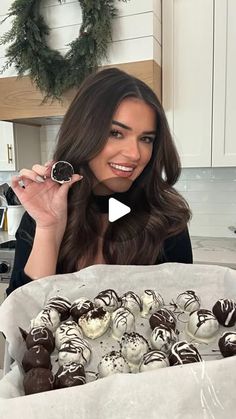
130	129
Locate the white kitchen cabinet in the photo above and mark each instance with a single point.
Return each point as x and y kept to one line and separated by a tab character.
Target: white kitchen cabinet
224	105
199	87
19	146
7	148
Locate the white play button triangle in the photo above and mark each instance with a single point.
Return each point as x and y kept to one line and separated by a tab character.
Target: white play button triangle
116	209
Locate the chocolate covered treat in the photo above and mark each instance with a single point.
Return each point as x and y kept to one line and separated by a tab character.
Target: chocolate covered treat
188	301
151	302
37	380
69	375
225	312
79	307
163	338
108	300
227	344
95	323
133	347
36	357
122	321
112	363
62	172
74	350
48	317
202	325
41	335
131	301
61	304
153	360
184	353
67	331
163	317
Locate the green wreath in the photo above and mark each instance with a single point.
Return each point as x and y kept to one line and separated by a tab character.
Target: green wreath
52	73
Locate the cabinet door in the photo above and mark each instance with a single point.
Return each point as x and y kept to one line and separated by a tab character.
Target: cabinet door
224	105
7	149
187	77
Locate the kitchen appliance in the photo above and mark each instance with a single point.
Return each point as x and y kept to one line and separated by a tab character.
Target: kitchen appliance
7	254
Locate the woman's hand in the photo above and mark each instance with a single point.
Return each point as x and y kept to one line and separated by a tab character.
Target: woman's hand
44	199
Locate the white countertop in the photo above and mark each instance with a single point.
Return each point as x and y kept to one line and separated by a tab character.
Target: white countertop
214	251
206	250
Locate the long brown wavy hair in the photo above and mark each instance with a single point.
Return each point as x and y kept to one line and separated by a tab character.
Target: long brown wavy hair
83	134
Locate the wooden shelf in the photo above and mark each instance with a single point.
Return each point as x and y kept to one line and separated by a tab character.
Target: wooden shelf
20	99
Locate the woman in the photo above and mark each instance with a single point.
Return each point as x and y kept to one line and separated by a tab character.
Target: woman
116	137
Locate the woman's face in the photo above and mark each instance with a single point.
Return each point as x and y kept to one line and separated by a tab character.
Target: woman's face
128	148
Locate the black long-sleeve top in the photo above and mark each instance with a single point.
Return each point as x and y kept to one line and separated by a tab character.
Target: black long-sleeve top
176	249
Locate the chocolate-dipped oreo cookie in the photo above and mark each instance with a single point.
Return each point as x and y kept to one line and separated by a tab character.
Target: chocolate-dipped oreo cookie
69	375
133	347
37	380
151	302
153	360
163	338
48	317
122	321
225	312
131	301
62	171
184	353
112	363
36	357
163	316
227	344
74	350
40	335
61	304
95	323
202	325
67	331
79	307
188	301
108	300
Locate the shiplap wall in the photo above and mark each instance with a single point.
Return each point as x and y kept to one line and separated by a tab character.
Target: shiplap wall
136	34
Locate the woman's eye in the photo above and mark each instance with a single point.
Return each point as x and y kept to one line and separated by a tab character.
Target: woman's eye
148	140
116	134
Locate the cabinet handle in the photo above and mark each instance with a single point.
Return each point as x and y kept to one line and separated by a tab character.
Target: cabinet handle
9	153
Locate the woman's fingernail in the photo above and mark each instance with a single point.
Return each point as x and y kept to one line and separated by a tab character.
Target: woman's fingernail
81	177
39	179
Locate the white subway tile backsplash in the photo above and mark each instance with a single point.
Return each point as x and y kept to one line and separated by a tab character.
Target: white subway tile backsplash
211	195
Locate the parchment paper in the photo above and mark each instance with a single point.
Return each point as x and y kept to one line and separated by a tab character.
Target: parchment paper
204	390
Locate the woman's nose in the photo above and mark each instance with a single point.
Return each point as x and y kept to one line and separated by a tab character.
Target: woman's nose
131	150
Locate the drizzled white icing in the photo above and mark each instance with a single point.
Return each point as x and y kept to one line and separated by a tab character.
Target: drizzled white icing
76	370
225	311
122	321
183	353
151	301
